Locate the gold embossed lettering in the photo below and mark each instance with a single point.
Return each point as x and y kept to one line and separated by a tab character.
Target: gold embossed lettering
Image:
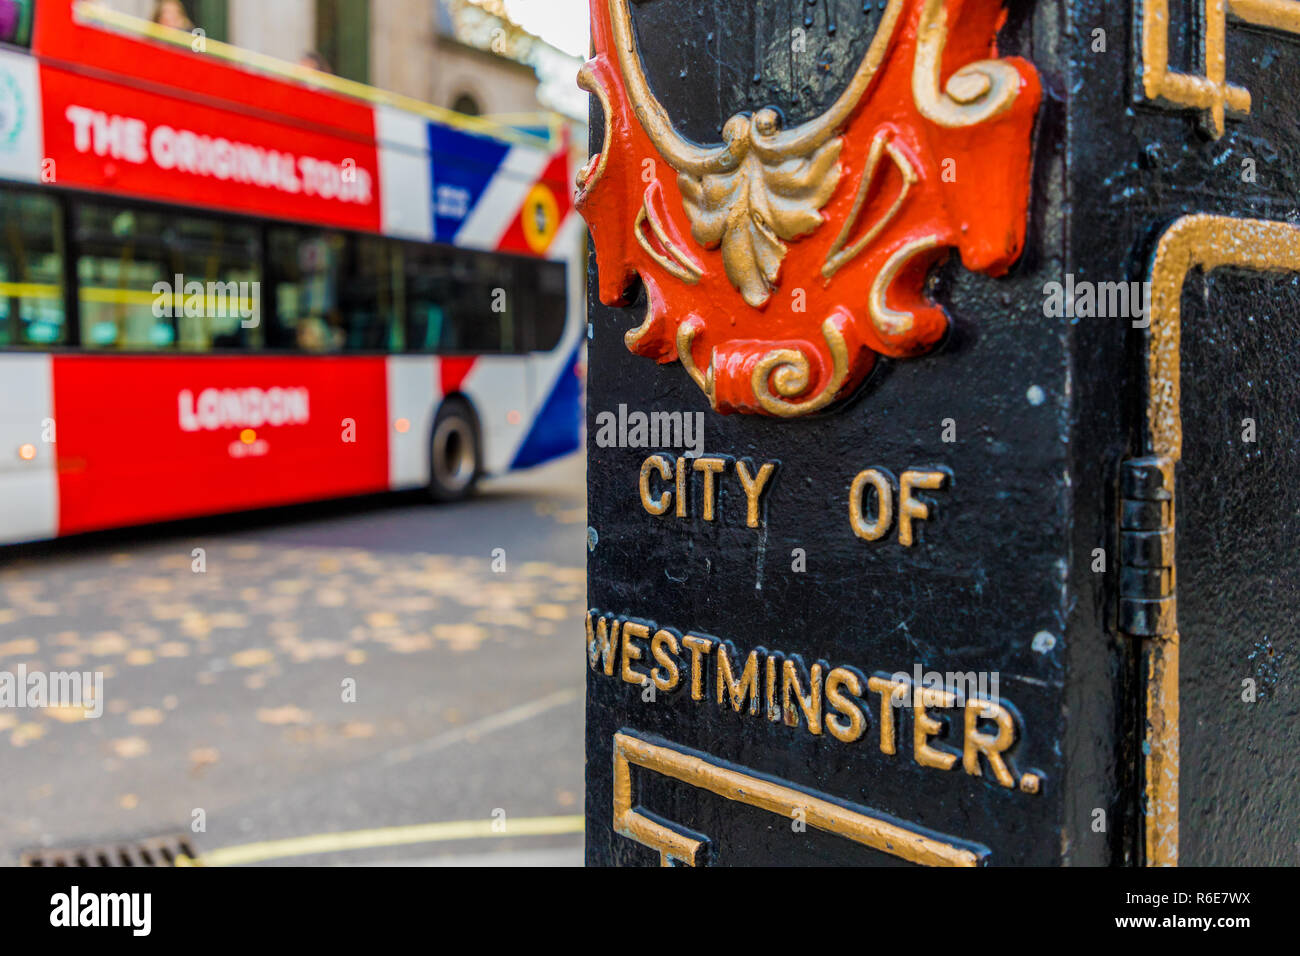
737	688
663	646
877	529
845	731
632	631
888	691
990	745
909	508
710	467
792	691
698	646
773	711
681	487
754	487
924	727
601	643
660	505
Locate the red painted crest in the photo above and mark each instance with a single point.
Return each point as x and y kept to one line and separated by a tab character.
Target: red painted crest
779	263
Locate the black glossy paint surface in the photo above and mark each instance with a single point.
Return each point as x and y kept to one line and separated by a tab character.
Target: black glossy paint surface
1011	548
1135	170
1239	578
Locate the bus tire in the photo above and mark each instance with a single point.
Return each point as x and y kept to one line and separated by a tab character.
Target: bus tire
455	452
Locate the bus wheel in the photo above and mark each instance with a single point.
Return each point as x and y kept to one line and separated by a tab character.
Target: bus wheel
454	453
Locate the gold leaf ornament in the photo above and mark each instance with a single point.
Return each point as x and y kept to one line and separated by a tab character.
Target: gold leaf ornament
760	198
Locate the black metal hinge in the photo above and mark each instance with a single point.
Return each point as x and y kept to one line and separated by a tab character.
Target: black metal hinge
1147	605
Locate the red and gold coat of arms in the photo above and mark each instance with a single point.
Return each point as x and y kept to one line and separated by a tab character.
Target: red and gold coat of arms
779	263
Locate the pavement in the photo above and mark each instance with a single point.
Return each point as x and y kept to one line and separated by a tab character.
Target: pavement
373	681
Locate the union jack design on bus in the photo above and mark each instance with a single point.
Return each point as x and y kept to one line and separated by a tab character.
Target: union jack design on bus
419	322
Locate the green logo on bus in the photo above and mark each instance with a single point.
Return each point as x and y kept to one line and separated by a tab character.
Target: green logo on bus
13	111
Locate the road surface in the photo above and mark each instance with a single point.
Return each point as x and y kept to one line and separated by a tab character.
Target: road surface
375	665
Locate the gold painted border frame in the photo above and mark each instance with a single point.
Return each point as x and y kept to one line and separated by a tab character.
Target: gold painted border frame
731	783
1211	93
1207	243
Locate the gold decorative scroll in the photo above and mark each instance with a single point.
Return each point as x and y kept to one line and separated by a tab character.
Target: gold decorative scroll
974	94
674	260
764	185
887	320
773	144
789	373
842	252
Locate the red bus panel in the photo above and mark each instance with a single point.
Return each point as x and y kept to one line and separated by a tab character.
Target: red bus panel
145	438
111	137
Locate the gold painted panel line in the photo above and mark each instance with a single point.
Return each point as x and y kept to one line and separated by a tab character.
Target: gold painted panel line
1207	243
1277	14
731	784
1210	93
1162	753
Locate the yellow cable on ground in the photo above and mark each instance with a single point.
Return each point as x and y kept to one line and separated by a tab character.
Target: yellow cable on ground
385	836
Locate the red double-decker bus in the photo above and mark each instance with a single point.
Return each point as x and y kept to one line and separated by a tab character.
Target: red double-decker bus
227	282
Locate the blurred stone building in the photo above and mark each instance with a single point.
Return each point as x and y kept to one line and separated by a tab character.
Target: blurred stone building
466	55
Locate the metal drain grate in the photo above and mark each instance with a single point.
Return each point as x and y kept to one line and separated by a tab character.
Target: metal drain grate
156	851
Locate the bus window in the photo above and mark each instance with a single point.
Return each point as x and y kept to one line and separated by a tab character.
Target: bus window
305	266
461	302
372	296
484	306
220	264
31	271
428	288
122	261
541	288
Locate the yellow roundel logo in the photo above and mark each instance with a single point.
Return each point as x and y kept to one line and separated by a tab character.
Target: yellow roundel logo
541	218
